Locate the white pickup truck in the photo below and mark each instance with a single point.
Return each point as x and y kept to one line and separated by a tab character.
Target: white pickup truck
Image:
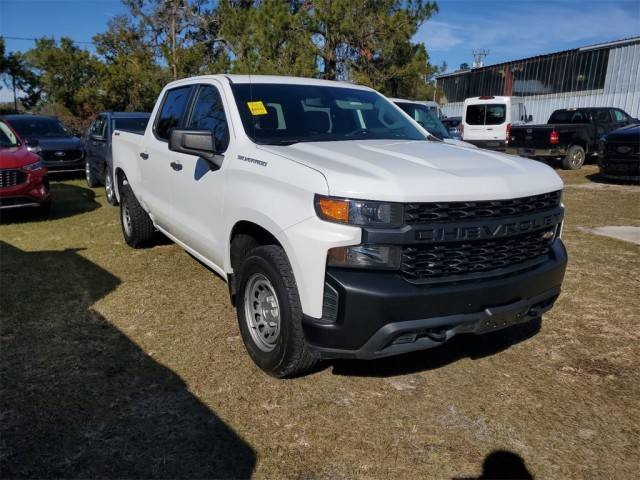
341	229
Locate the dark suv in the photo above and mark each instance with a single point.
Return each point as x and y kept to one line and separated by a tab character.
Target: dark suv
97	146
59	148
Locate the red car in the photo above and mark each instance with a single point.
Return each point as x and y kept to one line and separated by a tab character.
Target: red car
23	178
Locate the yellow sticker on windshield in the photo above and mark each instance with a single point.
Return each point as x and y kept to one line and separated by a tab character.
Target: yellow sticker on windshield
257	108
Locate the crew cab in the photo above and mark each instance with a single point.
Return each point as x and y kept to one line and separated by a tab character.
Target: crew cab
24	182
97	146
341	229
59	148
571	135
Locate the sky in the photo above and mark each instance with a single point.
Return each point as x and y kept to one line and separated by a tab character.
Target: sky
508	29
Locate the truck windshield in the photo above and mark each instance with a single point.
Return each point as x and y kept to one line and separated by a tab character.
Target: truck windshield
569	116
279	114
425	116
39	127
131	124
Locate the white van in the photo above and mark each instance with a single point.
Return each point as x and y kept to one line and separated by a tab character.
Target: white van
486	121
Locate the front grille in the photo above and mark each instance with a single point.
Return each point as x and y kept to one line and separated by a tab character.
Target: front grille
623	150
69	155
420	213
467	258
11	178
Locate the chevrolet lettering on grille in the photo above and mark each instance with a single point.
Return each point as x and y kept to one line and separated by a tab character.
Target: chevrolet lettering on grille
453	233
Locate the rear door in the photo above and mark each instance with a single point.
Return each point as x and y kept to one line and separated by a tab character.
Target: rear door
485	121
197	189
97	145
159	165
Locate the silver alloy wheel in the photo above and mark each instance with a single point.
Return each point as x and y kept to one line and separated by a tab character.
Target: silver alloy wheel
108	187
87	172
126	218
577	158
262	312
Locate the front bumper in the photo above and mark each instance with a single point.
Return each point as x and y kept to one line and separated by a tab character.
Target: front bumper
620	169
32	193
498	145
537	152
382	314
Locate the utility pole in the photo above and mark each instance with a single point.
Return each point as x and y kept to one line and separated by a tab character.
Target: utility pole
478	58
15	98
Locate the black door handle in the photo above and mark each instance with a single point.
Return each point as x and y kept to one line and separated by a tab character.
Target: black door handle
144	156
176	166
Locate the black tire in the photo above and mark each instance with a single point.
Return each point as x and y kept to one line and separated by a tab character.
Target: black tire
574	159
137	227
290	356
89	175
45	208
109	187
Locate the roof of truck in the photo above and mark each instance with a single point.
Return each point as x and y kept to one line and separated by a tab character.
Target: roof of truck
281	79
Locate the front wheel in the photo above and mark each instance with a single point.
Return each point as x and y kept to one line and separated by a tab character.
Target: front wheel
270	315
92	181
574	159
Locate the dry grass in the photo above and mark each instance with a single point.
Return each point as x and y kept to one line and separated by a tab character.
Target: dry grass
123	363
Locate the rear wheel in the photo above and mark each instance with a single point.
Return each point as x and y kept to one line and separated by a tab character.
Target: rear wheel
92	181
137	227
574	158
109	189
270	315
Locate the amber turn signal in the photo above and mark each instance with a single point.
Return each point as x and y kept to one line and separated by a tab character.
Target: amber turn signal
333	209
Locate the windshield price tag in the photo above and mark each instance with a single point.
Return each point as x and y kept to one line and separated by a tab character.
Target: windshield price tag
257	108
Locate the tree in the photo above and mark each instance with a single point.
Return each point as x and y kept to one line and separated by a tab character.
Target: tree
68	75
18	76
464	66
267	37
131	78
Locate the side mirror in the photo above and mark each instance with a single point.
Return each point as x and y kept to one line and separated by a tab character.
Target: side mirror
196	142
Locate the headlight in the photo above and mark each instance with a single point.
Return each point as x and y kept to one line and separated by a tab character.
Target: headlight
34	149
33	166
359	212
383	257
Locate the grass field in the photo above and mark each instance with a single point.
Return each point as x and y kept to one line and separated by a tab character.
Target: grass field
128	363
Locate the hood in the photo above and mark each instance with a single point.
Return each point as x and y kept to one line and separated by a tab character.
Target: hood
629	133
459	143
58	143
420	171
16	157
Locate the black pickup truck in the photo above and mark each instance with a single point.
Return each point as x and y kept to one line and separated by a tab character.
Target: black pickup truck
571	134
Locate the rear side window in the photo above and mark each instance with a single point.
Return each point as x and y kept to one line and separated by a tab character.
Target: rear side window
208	114
489	114
173	107
569	116
98	127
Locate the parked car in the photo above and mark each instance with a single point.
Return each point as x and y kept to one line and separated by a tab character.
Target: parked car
340	229
23	177
619	154
486	121
425	117
571	134
453	124
60	149
97	146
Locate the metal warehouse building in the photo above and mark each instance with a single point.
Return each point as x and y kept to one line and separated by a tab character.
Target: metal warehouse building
606	74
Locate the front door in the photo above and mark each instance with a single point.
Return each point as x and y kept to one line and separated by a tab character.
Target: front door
197	189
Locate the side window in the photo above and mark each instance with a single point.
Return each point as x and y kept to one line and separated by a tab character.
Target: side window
98	127
620	116
208	114
603	116
175	102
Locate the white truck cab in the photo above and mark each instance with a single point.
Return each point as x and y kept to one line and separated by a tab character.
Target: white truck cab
486	121
341	229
